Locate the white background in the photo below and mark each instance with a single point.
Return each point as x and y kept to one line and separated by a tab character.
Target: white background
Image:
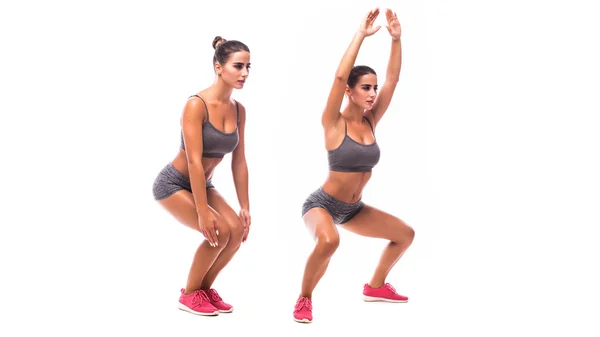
489	150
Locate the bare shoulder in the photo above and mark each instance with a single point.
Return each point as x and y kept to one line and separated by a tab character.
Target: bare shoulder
370	117
241	108
194	109
240	105
334	133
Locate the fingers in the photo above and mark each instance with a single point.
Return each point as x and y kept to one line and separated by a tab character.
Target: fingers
372	15
212	231
246	218
211	235
246	231
243	220
208	237
203	232
390	16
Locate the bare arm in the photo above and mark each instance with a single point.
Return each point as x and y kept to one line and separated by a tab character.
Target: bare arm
239	166
331	114
191	122
393	70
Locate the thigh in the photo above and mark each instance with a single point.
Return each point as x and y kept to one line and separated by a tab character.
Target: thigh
218	203
320	224
372	222
181	205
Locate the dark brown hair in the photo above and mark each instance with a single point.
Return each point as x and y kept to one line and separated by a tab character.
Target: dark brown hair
224	48
356	73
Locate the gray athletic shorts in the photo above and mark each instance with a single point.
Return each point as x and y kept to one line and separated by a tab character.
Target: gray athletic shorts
340	211
169	181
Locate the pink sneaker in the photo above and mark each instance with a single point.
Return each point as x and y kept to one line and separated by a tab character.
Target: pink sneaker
197	303
385	293
217	301
303	310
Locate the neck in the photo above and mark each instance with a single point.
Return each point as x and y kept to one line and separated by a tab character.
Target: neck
221	91
353	113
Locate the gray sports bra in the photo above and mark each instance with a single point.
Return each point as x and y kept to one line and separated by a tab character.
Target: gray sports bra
216	143
352	156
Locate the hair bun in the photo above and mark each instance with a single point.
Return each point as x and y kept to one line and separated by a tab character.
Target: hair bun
217	41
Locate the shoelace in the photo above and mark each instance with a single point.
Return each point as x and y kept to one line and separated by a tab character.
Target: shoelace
199	297
390	287
215	296
303	302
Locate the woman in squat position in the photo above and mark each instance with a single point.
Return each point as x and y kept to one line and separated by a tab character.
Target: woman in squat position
352	153
212	125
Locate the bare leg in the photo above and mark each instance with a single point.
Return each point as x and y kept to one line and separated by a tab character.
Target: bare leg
216	201
372	222
181	206
327	240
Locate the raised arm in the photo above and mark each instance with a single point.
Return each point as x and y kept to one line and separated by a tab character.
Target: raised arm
392	75
331	114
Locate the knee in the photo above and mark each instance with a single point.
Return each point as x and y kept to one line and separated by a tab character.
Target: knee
224	232
327	244
236	232
410	235
405	236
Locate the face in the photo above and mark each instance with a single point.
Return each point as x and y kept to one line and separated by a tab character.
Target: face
364	92
236	70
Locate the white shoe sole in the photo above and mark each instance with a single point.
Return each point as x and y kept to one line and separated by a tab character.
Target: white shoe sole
381	299
184	308
304	320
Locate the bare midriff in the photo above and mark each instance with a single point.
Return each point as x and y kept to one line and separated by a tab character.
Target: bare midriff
208	164
346	186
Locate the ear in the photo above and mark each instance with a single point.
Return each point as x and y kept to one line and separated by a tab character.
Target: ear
218	68
348	91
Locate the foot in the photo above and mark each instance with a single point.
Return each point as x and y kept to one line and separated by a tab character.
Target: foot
385	293
217	301
197	303
303	310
